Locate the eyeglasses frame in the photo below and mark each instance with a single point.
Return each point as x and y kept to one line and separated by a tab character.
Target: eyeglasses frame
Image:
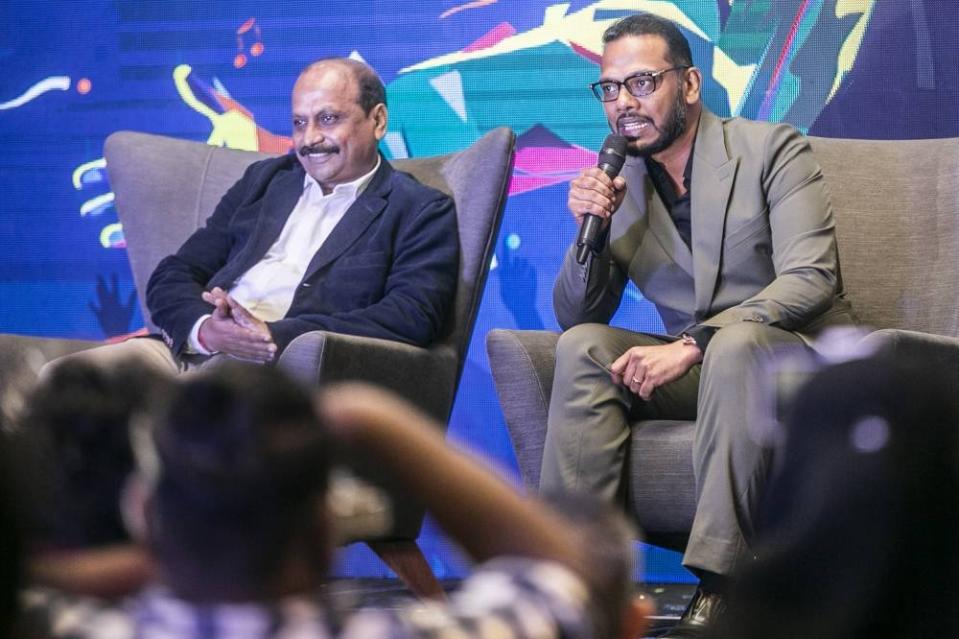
655	75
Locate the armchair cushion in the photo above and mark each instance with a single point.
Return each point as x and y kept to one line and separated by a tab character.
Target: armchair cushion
661	491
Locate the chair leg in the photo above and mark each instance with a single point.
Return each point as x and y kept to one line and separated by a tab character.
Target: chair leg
405	558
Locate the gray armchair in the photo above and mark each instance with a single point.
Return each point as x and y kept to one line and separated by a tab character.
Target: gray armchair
165	188
897	221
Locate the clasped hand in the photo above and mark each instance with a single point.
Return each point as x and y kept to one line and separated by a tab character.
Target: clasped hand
231	329
643	369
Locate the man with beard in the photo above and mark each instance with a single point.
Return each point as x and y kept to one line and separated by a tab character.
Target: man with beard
725	225
329	237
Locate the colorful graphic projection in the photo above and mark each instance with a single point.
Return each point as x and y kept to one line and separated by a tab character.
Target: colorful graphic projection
747	64
549	152
55	83
256	49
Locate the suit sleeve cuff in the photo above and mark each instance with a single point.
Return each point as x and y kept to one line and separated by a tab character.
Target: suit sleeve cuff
193	342
702	335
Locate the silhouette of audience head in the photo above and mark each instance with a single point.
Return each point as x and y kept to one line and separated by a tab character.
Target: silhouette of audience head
11	541
610	538
859	529
75	429
239	465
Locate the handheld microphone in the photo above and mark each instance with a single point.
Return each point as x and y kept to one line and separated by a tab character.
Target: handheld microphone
611	159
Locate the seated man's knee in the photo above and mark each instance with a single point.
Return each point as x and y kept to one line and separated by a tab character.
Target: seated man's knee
581	343
47	369
81	358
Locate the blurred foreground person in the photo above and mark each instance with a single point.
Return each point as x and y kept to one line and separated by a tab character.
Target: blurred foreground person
861	518
11	543
236	513
74	460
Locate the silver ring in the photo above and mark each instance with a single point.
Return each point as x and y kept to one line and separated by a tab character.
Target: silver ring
637	381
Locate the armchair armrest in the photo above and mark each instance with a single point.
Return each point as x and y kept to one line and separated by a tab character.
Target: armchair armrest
423	376
21	358
522	365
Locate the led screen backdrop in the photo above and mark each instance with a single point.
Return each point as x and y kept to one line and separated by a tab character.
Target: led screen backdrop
221	72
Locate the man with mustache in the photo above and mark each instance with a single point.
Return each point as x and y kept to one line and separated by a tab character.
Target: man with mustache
725	225
329	237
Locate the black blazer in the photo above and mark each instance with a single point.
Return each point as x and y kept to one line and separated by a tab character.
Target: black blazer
389	268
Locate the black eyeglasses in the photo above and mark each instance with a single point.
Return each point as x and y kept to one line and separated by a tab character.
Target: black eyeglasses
639	85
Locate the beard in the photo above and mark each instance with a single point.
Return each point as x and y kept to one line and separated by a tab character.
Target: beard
673	127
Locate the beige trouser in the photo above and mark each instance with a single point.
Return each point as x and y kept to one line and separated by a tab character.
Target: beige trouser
152	353
148	351
589	416
24	360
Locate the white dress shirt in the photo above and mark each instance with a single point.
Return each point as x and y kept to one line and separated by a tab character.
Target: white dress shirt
267	288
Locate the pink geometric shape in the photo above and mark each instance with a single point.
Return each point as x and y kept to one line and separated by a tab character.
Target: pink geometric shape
545	160
495	35
541	166
524	183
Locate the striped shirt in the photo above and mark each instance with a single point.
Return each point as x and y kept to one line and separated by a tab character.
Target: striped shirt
504	599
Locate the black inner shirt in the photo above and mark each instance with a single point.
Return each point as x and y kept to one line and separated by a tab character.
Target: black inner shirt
678	206
679	211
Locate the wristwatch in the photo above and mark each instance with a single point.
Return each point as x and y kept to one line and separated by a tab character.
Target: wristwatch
688	340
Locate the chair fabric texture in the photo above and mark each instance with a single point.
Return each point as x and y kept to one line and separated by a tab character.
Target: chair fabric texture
896	206
165	188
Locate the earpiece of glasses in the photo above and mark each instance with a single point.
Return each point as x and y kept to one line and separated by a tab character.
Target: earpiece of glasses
639	84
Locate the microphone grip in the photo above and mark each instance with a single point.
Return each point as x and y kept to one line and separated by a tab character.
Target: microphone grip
582	252
588	234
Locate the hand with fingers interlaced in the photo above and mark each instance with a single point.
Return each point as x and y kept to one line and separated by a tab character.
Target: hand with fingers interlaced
231	329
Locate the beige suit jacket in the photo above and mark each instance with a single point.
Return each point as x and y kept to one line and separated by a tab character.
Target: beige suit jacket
763	240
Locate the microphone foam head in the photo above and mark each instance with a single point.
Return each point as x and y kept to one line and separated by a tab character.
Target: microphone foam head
613	153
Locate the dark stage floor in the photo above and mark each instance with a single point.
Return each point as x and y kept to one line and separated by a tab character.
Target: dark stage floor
670	599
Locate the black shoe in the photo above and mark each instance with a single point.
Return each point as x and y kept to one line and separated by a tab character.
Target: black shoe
700	614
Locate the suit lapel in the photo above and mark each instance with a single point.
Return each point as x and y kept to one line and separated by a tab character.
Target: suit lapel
648	204
277	205
358	217
713	176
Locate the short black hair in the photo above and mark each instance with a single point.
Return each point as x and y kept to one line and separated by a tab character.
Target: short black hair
244	461
640	24
371	89
76	429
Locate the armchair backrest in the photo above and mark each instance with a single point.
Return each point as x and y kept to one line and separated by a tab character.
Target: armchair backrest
165	188
477	178
897	224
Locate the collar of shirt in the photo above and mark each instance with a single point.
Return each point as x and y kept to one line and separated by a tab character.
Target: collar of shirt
664	183
352	189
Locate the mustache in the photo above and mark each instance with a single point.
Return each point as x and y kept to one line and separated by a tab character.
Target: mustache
318	148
